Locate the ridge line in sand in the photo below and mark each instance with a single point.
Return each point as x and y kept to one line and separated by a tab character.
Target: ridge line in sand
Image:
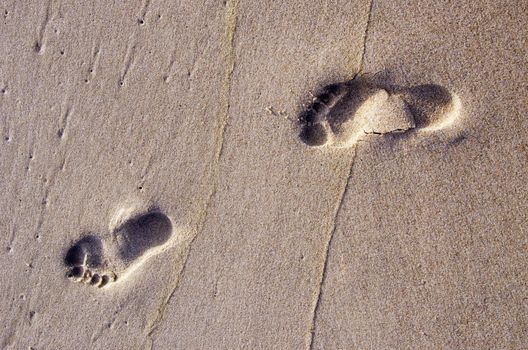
231	18
340	202
365	36
328	245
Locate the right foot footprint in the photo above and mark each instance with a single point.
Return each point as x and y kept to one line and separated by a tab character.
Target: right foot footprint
98	262
343	113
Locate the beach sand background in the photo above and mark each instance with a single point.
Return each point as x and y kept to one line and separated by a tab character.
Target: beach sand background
415	240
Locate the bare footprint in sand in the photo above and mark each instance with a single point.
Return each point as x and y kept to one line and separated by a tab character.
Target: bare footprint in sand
99	261
341	114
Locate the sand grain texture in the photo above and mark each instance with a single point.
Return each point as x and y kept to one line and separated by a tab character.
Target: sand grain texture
189	110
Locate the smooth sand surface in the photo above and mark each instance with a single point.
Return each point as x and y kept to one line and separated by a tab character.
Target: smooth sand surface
169	132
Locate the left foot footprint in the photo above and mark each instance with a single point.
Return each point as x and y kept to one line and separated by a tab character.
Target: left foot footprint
99	262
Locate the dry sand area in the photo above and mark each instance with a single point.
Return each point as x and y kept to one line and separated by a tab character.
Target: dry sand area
246	174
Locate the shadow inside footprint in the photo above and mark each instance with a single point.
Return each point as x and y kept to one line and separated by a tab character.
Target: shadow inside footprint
142	233
314	135
87	251
358	91
428	103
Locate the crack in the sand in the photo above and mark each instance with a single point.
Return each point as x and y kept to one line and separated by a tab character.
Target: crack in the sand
231	27
381	133
323	273
365	35
339	205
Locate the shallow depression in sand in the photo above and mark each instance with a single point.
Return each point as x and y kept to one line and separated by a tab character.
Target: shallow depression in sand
99	261
342	114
